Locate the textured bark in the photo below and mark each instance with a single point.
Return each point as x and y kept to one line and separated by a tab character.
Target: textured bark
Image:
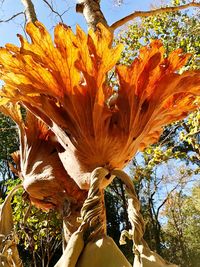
29	10
92	12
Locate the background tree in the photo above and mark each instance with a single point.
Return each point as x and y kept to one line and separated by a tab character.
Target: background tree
39	232
9	144
182	227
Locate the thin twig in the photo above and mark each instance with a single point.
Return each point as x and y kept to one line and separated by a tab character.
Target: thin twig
14	16
172	131
54	11
136	14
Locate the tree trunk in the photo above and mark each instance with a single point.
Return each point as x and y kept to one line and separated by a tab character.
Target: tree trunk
124	203
92	12
29	10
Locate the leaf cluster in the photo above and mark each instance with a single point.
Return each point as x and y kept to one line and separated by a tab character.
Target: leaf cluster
39	232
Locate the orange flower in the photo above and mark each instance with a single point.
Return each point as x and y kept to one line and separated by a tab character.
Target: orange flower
39	166
65	83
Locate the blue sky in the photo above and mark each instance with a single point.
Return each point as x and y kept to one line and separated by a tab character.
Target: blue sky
111	11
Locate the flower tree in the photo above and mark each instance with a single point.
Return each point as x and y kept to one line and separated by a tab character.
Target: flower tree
80	132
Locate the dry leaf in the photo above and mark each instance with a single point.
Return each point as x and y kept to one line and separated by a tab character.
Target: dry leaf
9	256
65	84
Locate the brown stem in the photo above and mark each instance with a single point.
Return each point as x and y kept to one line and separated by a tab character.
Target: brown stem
92	12
93	211
136	14
29	10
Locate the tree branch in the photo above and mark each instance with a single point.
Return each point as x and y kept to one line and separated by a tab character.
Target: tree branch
92	12
54	11
12	17
124	203
180	183
136	14
29	10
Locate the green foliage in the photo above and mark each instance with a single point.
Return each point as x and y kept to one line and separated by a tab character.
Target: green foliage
8	144
176	30
191	135
9	138
182	227
39	232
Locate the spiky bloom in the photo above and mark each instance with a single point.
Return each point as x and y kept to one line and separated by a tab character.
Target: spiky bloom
65	83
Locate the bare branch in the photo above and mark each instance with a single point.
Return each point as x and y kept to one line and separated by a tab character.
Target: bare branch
29	10
164	141
14	16
181	183
54	11
136	14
